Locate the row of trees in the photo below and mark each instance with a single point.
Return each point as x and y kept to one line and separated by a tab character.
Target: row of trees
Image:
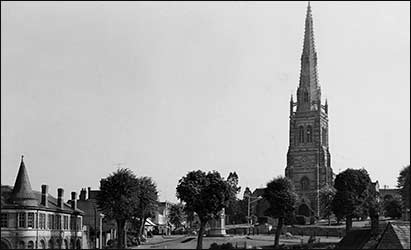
126	198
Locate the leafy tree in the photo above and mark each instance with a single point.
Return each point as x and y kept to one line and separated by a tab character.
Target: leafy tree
232	179
177	214
235	208
148	201
281	198
392	208
353	187
403	184
205	194
327	194
118	199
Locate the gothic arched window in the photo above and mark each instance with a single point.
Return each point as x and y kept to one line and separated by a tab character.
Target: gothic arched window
305	183
301	134
305	96
309	134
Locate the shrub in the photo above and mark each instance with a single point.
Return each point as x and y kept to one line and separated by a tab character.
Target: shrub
300	219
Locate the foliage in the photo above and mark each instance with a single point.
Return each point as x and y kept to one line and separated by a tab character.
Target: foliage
148	201
353	191
281	197
177	214
227	245
300	219
205	194
237	211
403	184
327	194
117	198
392	208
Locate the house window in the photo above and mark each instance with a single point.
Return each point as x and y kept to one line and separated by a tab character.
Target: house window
30	220
50	221
4	220
58	221
22	219
72	223
309	134
65	223
301	134
42	221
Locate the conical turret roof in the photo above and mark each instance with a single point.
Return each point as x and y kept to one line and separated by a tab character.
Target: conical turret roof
22	193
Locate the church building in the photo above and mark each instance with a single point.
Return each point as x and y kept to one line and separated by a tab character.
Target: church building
308	156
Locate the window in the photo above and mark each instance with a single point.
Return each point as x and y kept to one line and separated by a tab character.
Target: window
42	221
30	220
58	221
50	221
30	245
4	220
65	223
72	223
78	223
22	219
305	97
309	134
301	134
305	183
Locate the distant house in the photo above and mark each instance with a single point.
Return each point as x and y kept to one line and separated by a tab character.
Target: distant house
161	218
32	219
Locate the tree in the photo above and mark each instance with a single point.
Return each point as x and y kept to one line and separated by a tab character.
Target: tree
392	208
177	214
117	199
236	209
148	201
327	194
281	198
403	184
353	187
204	194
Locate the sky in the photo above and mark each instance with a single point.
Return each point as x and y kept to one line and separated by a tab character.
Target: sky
164	88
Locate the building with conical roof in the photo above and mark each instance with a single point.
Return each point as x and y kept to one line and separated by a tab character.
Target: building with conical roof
33	219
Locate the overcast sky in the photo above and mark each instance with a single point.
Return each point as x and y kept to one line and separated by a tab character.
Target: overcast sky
164	88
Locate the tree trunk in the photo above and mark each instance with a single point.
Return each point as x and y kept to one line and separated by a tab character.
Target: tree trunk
140	231
348	224
329	220
121	234
200	235
278	232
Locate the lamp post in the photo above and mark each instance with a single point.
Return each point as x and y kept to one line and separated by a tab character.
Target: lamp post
257	198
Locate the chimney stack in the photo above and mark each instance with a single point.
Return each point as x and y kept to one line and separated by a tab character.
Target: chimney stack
44	194
73	200
89	192
83	194
60	194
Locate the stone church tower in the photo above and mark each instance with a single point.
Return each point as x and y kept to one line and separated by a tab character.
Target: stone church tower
308	157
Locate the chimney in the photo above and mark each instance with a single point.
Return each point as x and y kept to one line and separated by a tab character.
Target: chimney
83	194
60	194
89	192
73	200
44	194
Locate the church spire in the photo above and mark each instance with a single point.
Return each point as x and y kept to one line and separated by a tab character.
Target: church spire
22	192
308	94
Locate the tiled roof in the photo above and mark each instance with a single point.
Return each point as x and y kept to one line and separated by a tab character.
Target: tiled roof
355	239
396	236
22	193
6	195
258	192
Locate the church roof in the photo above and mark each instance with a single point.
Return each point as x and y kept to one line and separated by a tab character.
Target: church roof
396	236
22	193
